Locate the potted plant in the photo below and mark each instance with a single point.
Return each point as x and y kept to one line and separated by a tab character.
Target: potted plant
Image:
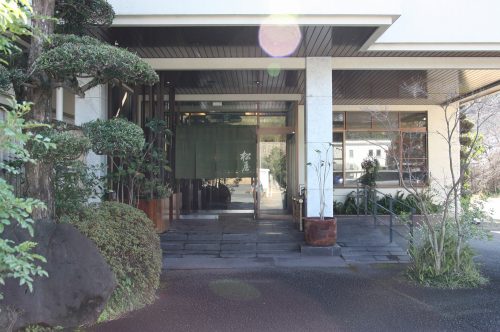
153	194
321	231
153	190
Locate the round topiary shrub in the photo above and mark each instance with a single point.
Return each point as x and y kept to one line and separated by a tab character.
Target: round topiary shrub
128	242
114	137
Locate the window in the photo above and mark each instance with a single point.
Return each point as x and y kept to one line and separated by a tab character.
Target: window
397	139
338	158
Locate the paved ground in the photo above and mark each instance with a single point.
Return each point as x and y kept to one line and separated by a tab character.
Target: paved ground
359	297
238	241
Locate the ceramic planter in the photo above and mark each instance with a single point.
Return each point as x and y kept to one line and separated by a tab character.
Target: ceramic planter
154	210
320	233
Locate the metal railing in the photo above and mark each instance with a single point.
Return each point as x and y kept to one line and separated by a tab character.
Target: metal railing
297	211
369	195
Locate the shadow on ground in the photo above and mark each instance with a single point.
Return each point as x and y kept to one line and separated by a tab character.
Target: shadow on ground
359	297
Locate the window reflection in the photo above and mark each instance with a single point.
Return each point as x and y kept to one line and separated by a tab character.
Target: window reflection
363	145
398	140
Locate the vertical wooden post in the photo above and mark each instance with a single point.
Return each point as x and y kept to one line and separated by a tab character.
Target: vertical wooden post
172	122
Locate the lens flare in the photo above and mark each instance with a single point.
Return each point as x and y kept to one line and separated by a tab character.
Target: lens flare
279	36
232	289
273	69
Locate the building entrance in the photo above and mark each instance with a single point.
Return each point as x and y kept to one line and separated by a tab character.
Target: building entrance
234	162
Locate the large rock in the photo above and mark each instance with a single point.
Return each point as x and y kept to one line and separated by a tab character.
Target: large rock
79	284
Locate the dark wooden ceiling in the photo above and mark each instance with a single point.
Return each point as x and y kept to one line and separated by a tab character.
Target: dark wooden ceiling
349	86
242	42
236	81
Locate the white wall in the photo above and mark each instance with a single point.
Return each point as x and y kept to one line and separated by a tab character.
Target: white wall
93	106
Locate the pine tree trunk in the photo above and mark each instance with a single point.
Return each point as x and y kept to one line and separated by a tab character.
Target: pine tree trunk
39	176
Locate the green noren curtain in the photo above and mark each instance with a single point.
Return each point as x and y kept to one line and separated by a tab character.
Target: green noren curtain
215	151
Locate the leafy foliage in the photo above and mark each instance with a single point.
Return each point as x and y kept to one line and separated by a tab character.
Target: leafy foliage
115	137
128	242
276	162
76	15
71	144
402	205
13	23
102	62
75	184
471	148
5	81
16	132
153	161
136	166
371	167
452	274
17	260
123	142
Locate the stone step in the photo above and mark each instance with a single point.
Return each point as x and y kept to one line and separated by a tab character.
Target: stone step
173	236
238	246
279	246
244	237
252	236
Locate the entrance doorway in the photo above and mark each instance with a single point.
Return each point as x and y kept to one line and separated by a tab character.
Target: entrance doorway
234	157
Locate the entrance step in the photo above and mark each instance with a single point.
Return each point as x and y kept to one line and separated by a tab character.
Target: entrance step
307	250
390	253
231	237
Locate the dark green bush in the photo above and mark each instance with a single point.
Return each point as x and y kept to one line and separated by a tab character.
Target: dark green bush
130	245
75	184
115	137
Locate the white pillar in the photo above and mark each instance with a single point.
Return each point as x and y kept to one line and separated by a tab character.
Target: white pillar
94	106
301	140
318	123
59	104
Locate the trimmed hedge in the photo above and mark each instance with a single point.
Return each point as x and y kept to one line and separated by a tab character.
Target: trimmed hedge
130	245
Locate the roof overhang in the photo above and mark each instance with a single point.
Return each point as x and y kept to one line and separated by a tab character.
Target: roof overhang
256	12
400	25
338	63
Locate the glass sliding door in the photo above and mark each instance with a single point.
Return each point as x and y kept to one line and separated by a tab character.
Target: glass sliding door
272	172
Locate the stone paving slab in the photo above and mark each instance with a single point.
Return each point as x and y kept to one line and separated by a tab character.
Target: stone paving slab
205	236
194	262
247	237
173	236
243	238
202	246
238	246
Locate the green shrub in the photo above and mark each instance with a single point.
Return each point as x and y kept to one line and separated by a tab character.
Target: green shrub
75	184
115	137
350	206
127	240
422	269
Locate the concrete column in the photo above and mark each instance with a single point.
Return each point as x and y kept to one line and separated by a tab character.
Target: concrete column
94	106
301	139
318	130
59	104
